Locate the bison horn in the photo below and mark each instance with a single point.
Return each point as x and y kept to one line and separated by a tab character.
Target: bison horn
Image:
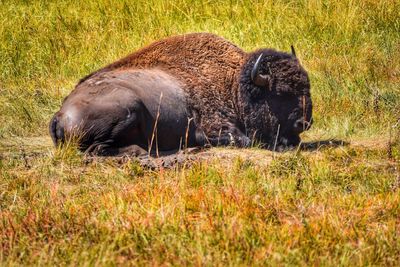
257	78
293	51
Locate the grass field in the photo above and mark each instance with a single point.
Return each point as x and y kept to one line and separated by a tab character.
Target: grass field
337	203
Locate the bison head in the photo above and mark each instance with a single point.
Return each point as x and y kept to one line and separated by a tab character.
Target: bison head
275	90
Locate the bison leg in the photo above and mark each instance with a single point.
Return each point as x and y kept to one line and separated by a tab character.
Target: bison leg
105	149
230	140
231	137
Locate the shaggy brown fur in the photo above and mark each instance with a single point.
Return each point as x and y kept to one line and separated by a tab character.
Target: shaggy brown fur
207	64
220	96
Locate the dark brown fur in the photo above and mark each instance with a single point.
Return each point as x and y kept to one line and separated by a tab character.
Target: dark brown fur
221	98
207	64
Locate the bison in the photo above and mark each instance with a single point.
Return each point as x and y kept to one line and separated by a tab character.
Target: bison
188	90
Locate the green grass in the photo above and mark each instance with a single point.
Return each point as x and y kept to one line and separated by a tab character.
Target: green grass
333	206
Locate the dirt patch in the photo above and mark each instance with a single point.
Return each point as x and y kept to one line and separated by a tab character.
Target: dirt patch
34	147
224	156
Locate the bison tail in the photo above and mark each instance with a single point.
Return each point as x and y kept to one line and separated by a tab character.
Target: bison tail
56	130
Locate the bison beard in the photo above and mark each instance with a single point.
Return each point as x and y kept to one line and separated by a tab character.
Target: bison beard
188	90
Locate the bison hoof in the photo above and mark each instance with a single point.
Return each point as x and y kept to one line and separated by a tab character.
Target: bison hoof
244	141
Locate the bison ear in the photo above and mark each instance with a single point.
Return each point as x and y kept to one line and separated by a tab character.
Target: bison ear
293	51
257	78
